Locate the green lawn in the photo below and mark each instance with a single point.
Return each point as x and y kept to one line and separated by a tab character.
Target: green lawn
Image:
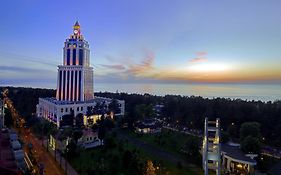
168	140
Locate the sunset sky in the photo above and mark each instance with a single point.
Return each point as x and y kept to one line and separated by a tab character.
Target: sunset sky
178	41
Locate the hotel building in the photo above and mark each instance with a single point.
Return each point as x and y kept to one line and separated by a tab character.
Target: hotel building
75	90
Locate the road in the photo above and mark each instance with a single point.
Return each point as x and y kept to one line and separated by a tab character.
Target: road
40	153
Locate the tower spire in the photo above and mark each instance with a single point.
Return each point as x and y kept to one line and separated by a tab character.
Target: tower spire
76	28
77	23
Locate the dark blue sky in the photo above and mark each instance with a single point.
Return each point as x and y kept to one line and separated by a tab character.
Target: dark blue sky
144	41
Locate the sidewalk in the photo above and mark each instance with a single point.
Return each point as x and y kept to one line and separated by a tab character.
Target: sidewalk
61	161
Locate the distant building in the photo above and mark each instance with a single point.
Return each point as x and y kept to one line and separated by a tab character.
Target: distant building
89	139
75	94
148	126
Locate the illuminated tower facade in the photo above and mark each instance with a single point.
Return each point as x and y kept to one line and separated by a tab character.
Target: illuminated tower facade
211	149
75	76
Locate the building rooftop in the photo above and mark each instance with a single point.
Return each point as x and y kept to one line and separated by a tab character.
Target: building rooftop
148	123
95	100
235	153
7	160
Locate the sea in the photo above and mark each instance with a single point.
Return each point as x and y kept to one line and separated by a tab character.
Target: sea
262	92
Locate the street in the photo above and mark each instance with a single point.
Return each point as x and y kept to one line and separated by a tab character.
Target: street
40	153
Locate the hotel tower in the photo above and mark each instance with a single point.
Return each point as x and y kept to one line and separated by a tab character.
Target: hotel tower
75	76
75	92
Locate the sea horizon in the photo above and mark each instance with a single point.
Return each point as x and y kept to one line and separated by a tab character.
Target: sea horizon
262	92
244	91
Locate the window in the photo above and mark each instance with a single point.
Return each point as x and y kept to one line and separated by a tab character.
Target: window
77	108
66	109
81	108
68	57
81	55
61	110
74	57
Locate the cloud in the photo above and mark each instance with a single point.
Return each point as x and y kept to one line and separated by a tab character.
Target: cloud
201	53
116	66
29	59
145	66
198	60
200	57
21	69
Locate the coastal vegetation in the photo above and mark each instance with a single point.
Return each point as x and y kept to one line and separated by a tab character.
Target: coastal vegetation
178	110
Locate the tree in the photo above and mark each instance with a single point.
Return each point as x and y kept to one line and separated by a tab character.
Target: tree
109	123
101	133
66	132
224	137
71	149
8	119
127	158
232	131
79	120
95	127
144	111
150	170
114	106
191	146
77	134
250	129
251	145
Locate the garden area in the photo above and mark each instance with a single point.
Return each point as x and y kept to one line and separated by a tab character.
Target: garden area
119	156
185	146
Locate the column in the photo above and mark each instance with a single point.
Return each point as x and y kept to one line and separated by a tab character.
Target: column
228	164
76	84
58	86
64	55
71	53
65	84
73	84
82	85
70	85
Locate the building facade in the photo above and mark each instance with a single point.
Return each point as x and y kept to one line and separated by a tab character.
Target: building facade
75	76
75	93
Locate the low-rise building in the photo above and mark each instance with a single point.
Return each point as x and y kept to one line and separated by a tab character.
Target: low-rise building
235	161
89	139
53	110
148	126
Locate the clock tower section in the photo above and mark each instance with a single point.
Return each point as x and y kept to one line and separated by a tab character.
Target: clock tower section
75	76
